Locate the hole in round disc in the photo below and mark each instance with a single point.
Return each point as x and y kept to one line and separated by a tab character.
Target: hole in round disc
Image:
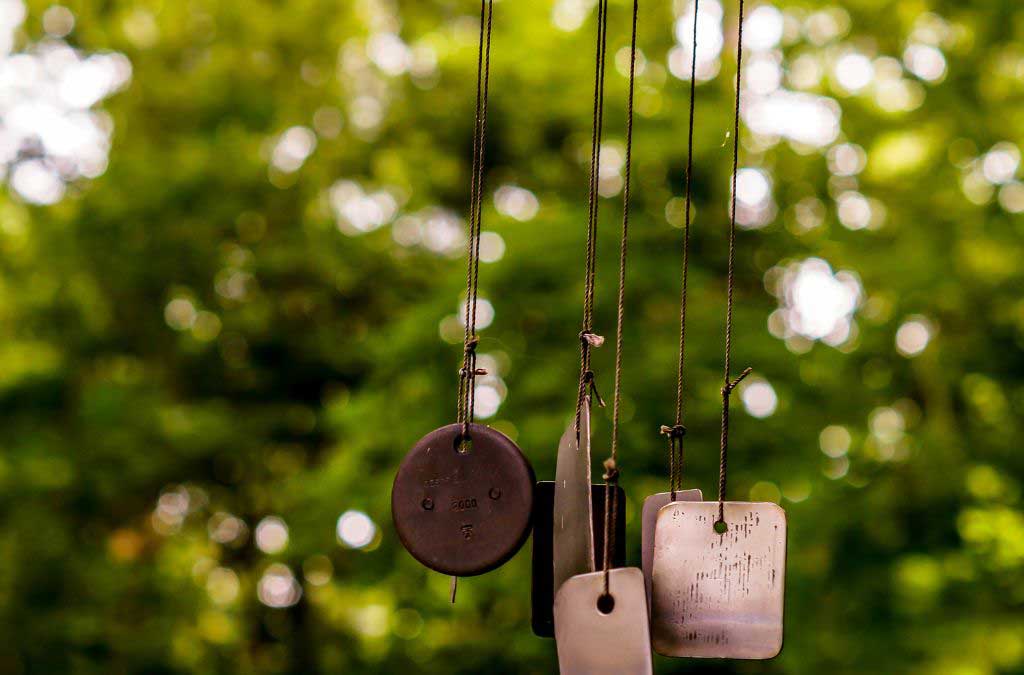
606	604
721	527
463	444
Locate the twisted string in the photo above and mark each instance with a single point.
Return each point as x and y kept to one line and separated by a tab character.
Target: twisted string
589	339
677	431
469	370
729	385
611	469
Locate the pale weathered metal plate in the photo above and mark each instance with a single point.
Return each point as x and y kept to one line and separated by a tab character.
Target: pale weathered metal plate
648	520
573	544
542	584
591	642
463	513
719	595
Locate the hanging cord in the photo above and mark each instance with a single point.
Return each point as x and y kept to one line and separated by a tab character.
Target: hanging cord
729	385
469	370
677	432
611	469
589	339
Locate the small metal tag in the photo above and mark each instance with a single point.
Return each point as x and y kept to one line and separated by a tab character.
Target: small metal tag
649	519
573	527
463	513
719	595
542	583
592	642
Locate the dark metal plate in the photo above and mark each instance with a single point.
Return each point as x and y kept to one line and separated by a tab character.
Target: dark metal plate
543	583
458	513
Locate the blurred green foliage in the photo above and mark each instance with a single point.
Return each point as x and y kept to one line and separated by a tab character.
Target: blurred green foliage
203	330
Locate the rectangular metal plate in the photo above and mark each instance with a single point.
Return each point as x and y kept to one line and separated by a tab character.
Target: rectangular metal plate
593	643
573	522
649	519
719	595
543	586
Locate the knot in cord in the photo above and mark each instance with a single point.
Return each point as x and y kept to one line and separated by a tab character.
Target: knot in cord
590	381
729	386
591	339
674	432
611	470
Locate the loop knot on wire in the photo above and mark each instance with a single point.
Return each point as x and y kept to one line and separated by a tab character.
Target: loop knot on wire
676	431
590	382
729	386
611	470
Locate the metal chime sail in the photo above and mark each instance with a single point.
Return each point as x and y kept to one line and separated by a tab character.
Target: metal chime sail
573	530
462	500
579	548
719	595
648	522
543	591
597	637
719	568
601	618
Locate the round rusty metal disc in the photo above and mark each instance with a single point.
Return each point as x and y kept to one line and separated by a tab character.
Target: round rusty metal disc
463	513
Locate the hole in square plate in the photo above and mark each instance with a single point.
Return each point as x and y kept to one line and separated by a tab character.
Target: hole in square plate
606	603
721	527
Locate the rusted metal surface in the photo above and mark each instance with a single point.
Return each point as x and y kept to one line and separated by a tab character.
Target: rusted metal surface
591	642
648	520
463	513
719	595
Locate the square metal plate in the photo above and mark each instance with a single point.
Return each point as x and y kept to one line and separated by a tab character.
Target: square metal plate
591	642
719	595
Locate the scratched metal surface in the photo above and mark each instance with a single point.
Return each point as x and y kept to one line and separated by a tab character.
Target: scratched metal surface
592	643
573	544
649	519
719	595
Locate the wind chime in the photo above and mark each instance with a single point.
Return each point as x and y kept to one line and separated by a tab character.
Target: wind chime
712	577
718	569
462	500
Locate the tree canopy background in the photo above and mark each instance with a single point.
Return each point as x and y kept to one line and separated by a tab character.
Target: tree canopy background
220	338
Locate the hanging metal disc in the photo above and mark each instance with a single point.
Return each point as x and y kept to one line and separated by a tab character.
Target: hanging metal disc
573	544
719	595
596	636
463	513
648	522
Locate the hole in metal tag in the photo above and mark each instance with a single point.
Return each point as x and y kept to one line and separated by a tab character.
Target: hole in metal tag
649	519
542	582
719	595
573	528
597	636
463	513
